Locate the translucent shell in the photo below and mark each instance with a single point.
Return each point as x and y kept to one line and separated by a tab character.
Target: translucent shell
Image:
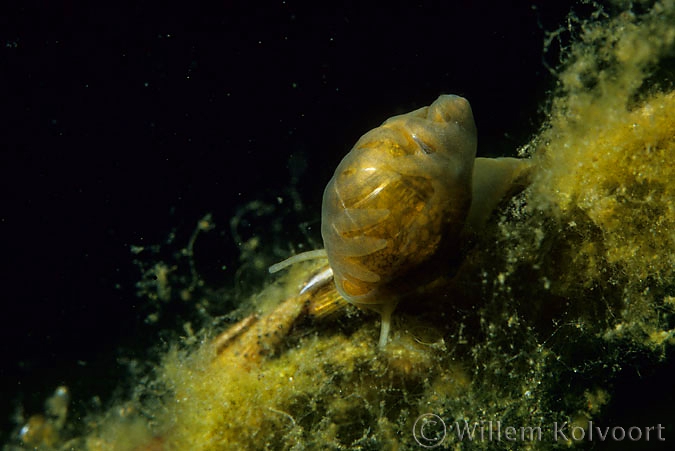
398	200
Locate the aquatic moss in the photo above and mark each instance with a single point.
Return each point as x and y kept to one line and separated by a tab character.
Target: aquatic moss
327	392
599	214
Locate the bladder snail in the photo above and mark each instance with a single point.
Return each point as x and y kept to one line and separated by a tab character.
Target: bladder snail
402	201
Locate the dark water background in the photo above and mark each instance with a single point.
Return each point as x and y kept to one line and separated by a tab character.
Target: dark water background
123	124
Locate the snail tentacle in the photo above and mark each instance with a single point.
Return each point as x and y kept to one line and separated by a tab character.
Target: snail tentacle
385	311
297	258
318	280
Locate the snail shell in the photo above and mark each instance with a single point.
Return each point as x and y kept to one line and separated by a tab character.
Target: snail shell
398	202
404	201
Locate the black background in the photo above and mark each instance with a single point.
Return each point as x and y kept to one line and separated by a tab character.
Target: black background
121	124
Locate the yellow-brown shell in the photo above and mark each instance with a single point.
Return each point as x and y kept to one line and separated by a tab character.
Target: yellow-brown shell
399	197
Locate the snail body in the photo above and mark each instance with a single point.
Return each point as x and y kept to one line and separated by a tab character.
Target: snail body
404	201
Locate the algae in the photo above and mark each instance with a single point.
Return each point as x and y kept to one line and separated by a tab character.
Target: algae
572	279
